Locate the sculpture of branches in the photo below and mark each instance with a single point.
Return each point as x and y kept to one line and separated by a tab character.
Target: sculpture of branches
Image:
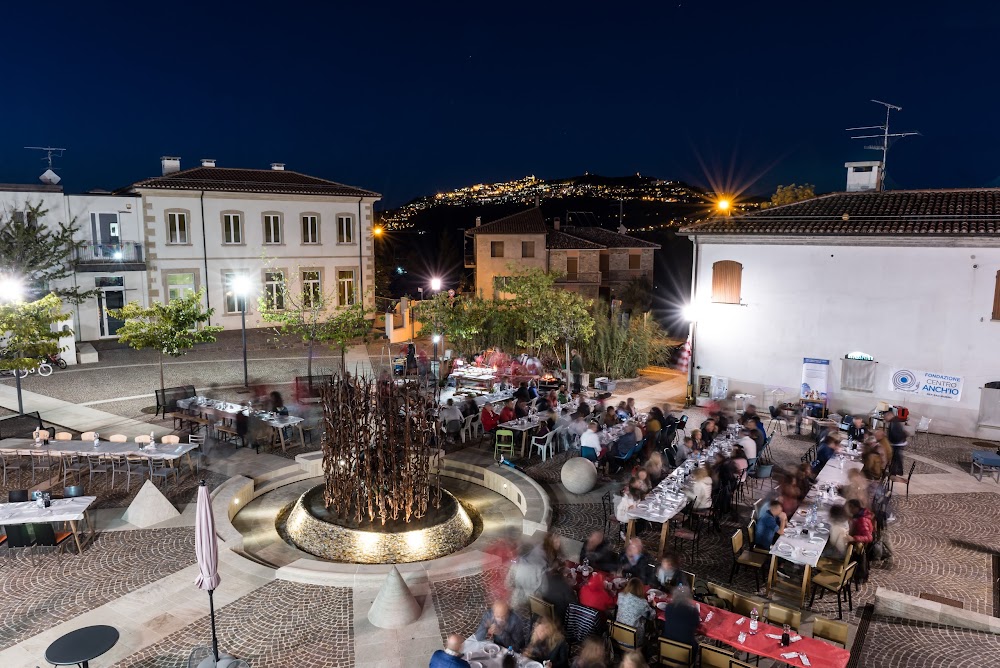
379	459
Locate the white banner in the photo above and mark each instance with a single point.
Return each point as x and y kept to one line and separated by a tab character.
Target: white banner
926	384
815	379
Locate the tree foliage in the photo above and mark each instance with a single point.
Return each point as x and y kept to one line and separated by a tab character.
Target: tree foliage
40	254
620	351
171	329
28	337
637	295
791	194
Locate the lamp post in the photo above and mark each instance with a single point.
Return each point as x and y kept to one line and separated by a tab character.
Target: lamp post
12	290
241	289
436	338
690	314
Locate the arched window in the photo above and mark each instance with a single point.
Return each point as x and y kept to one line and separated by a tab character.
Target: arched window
727	279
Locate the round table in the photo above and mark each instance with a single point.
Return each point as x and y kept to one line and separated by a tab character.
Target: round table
77	648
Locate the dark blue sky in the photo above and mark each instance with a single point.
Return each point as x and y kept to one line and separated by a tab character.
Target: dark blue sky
411	98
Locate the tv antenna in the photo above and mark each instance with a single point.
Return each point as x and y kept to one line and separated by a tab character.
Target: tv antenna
48	176
884	136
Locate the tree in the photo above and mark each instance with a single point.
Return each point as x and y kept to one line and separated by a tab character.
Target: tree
637	295
171	329
28	336
620	351
791	194
40	254
309	310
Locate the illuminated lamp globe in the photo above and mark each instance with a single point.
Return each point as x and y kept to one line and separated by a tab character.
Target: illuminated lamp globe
689	313
723	205
435	284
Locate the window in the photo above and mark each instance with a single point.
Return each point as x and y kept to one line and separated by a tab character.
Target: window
234	302
727	278
272	228
501	283
996	298
345	230
345	286
179	286
232	228
312	289
634	261
310	229
496	249
274	290
527	249
177	228
866	168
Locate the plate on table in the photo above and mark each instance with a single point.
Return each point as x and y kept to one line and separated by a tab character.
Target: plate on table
475	664
816	540
661	606
654	593
532	664
491	649
784	548
810	553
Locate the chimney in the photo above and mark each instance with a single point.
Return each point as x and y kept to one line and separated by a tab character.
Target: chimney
169	165
278	166
555	223
208	162
864	175
479	221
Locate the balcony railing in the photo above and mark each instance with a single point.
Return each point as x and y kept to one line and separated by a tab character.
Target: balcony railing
127	252
581	277
624	275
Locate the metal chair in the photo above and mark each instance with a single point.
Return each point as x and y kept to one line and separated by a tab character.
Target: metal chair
11	464
776	421
73	491
97	464
678	654
18	538
141	438
158	468
42	461
46	536
715	657
87	436
830	630
170	439
623	637
902	481
779	614
837	583
127	467
72	464
744	557
541	608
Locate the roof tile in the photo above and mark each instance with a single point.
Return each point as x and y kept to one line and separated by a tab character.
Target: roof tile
250	180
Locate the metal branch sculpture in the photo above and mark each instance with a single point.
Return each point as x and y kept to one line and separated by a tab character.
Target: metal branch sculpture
379	456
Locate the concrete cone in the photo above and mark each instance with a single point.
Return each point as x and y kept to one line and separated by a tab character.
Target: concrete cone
394	607
149	507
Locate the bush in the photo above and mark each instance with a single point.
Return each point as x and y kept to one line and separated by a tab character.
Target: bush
619	351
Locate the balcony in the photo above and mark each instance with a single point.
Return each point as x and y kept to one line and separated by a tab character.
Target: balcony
470	260
625	275
586	277
125	256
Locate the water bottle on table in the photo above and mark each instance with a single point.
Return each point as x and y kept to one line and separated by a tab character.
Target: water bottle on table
753	621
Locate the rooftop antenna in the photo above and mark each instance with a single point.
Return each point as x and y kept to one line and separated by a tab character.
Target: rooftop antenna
884	136
48	176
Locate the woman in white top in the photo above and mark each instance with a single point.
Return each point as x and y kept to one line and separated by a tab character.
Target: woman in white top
700	491
590	439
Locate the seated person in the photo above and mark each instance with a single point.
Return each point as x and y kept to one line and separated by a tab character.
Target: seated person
739	460
709	431
630	407
634	563
546	425
450	412
546	402
599	553
590	443
668	575
507	412
681	618
277	404
469	406
840	533
557	591
756	430
520	409
683	450
857	431
829	449
700	491
622	411
610	417
633	610
749	445
595	595
451	655
502	626
770	525
489	419
638	487
548	644
522	393
562	395
655	468
625	442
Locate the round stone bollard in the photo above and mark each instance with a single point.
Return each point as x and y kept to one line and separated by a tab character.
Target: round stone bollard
579	475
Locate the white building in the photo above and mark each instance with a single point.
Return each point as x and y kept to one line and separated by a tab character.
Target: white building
204	227
201	227
910	278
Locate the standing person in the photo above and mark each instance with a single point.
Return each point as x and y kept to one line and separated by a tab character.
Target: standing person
896	435
857	431
681	618
862	534
576	368
451	655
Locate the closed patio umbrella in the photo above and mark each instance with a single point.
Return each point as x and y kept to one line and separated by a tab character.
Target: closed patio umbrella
207	550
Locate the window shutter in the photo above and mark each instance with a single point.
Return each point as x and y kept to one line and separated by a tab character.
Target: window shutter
996	298
727	278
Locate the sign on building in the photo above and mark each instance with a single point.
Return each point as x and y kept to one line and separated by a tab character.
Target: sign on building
926	384
815	379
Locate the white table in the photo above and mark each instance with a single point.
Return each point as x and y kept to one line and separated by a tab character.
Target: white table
473	650
85	448
61	510
227	411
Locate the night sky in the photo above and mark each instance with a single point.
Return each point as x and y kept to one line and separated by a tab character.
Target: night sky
412	98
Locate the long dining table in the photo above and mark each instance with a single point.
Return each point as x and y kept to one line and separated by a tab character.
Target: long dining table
166	451
227	410
70	510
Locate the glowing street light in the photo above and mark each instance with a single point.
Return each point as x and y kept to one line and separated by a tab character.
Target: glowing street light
724	206
690	313
435	284
377	231
241	287
11	290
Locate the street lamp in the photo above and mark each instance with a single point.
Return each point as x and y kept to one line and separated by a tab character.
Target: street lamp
435	284
12	291
241	289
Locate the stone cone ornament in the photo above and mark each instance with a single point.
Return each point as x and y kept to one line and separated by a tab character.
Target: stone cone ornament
149	507
394	606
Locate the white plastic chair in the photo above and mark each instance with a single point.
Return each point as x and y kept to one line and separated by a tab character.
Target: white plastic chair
923	427
543	444
468	428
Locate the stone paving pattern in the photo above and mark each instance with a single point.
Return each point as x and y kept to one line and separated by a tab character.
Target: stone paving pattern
280	625
894	643
57	589
461	602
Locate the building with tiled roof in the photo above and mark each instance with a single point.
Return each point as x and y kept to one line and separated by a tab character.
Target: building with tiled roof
589	260
276	180
910	278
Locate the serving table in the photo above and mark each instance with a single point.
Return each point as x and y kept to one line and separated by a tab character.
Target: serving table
61	510
226	411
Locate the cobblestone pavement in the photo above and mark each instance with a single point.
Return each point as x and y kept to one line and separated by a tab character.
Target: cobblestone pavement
280	625
57	589
461	602
893	643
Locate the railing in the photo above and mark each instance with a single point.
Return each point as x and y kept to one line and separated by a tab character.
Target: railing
616	275
126	252
581	277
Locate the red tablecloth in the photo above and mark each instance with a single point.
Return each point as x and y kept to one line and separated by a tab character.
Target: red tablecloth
723	627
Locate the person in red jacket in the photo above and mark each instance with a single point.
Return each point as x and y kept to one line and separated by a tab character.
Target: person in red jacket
862	534
507	412
488	418
595	595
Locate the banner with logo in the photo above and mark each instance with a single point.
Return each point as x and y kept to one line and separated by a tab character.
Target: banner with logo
926	384
815	379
